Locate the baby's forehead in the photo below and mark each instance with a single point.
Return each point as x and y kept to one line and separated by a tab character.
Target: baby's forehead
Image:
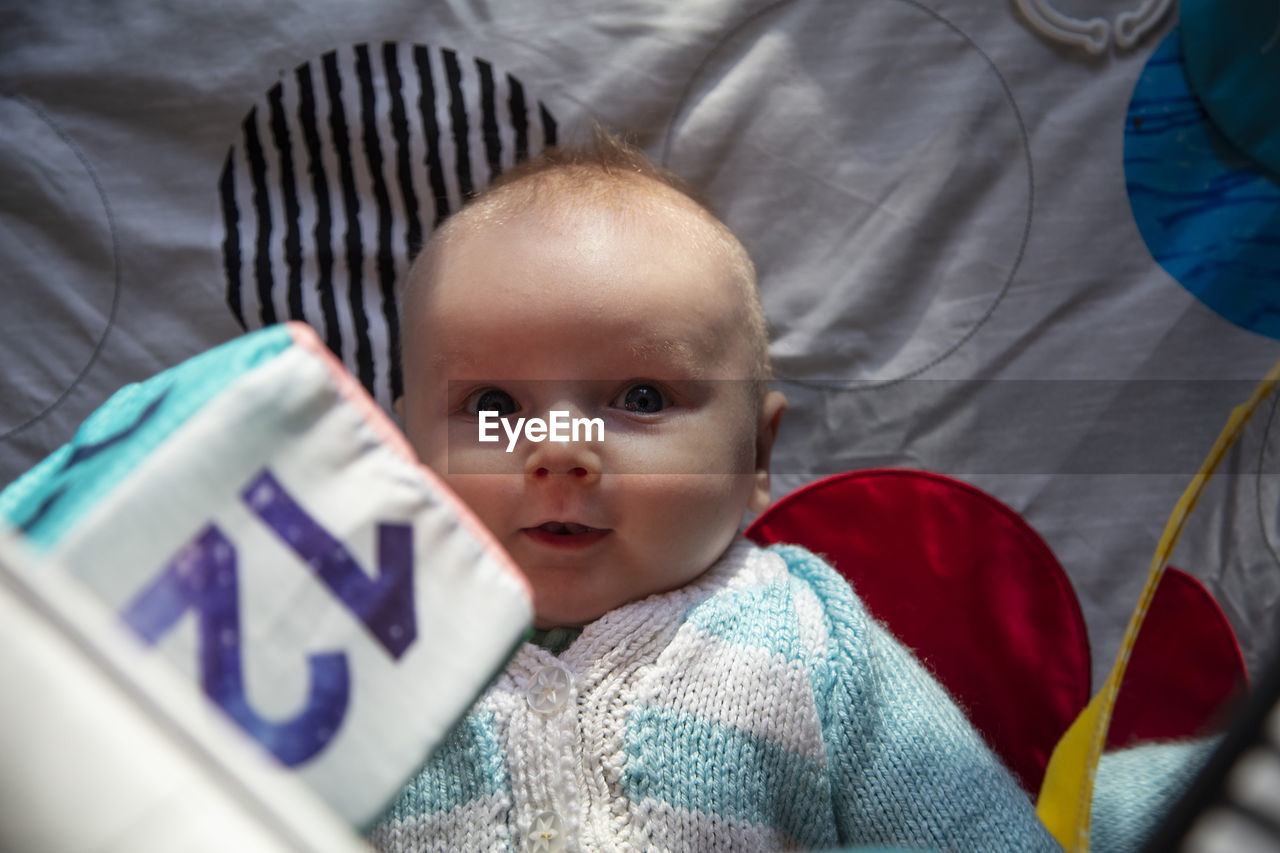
494	253
635	205
640	217
603	317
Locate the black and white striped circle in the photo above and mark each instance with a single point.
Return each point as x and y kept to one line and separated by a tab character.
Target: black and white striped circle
340	173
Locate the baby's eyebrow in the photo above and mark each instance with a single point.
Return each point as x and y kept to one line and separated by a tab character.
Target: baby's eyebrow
673	353
449	357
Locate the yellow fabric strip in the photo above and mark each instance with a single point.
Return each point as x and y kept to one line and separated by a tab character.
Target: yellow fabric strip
1067	791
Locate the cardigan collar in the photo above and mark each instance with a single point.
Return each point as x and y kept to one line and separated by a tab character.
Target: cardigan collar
639	630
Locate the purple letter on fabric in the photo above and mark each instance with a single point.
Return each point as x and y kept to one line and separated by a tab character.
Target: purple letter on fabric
383	603
203	578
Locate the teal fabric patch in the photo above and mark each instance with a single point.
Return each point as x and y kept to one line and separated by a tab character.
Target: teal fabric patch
49	499
706	767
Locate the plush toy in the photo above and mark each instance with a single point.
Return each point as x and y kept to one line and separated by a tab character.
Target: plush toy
254	518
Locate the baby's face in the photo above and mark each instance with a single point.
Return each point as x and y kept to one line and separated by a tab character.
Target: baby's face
634	327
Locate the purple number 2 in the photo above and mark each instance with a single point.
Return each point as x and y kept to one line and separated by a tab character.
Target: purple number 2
203	577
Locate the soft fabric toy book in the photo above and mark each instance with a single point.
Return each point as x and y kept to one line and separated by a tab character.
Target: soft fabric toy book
252	518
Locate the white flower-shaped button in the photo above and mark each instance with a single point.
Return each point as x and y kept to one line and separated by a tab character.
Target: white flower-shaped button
547	834
548	690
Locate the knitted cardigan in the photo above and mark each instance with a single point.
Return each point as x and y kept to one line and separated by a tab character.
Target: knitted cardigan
758	708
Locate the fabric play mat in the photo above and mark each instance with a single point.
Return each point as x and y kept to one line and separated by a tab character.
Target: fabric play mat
1035	251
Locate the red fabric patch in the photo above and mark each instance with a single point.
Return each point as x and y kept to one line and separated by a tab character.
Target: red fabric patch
1185	671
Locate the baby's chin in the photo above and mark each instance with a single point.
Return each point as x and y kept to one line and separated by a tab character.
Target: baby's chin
551	625
572	595
545	621
566	614
559	611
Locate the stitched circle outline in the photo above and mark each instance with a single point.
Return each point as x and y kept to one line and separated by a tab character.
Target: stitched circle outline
683	106
109	217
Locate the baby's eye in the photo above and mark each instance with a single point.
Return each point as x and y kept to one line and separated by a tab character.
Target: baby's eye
492	400
645	399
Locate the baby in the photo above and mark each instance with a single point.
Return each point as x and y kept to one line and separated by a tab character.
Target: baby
688	690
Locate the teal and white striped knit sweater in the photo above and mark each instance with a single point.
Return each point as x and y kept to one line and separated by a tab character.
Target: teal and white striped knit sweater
757	708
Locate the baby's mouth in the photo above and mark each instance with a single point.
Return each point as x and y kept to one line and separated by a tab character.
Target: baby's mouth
566	534
567	528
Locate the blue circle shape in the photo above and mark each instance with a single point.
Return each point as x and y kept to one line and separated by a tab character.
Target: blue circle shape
1232	55
1208	212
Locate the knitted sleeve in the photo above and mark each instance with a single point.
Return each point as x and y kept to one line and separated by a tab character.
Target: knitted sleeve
1135	787
906	766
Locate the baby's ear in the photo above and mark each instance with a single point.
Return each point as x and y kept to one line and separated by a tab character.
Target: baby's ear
771	409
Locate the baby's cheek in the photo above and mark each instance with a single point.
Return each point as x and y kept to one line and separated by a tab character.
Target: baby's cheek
707	504
458	451
706	519
489	496
729	447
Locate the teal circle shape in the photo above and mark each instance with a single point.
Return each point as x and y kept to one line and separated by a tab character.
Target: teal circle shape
1232	55
1208	212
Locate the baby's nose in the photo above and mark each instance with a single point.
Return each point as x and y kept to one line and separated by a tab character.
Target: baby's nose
577	459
